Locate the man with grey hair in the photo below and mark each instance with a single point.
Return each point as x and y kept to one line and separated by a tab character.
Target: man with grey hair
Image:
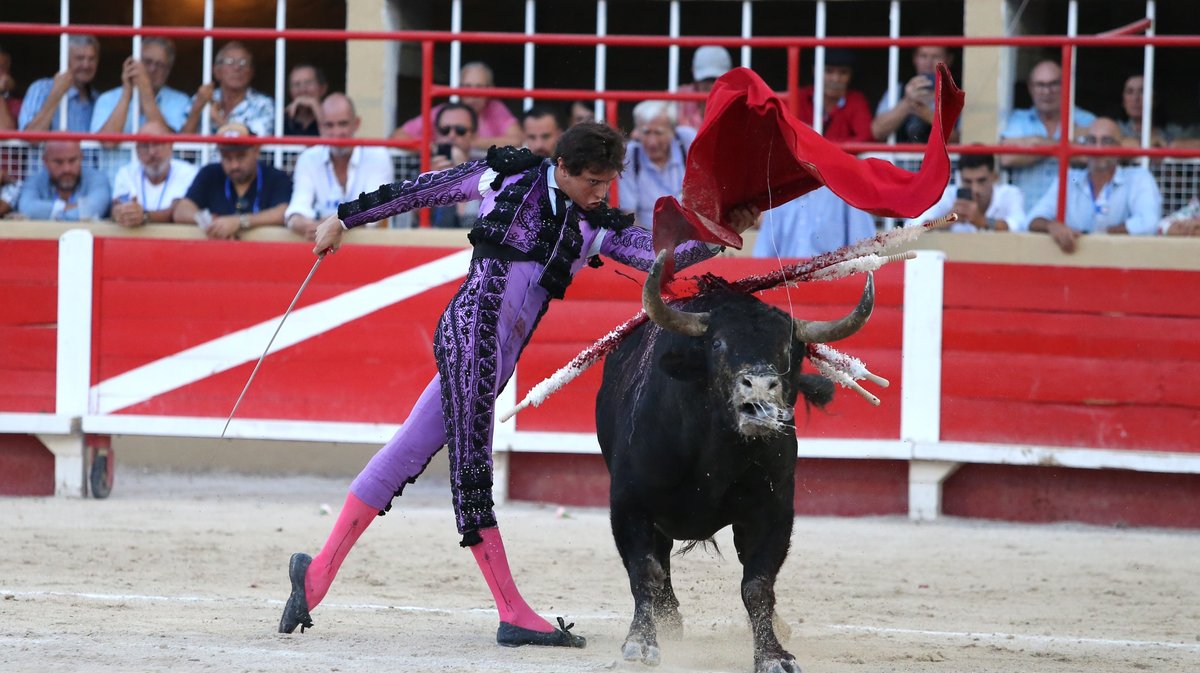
233	99
157	102
40	110
654	162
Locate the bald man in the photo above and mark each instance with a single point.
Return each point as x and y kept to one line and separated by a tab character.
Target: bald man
327	175
146	189
1104	198
64	189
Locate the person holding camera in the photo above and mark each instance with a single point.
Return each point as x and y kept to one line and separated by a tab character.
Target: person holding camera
911	118
981	202
456	125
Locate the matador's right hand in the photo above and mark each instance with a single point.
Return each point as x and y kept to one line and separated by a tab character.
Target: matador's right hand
329	236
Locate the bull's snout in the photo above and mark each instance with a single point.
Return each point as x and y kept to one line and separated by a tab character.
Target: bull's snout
758	403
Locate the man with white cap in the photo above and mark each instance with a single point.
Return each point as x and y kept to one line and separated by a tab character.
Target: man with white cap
236	194
708	63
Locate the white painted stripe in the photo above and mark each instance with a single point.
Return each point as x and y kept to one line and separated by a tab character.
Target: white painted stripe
73	360
237	348
921	358
738	619
37	424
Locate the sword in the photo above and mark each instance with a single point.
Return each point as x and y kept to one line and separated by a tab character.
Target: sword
268	348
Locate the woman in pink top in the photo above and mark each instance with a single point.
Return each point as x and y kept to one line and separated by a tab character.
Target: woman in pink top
497	126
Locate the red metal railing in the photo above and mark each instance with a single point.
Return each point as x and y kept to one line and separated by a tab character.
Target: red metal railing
1063	150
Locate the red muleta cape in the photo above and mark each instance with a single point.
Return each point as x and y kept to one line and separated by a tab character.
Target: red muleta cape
751	150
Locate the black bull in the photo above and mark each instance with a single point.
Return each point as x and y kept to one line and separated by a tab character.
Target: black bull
695	417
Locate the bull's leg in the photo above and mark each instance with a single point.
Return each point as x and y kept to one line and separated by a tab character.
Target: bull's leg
634	534
666	605
762	547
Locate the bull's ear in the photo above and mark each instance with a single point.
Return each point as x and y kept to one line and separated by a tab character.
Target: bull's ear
817	389
683	364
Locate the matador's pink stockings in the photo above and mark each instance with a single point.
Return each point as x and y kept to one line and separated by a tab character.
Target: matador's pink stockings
356	515
493	563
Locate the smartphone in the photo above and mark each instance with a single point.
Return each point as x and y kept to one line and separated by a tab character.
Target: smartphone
442	150
965	194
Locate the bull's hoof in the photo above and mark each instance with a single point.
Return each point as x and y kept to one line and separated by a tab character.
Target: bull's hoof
635	651
781	665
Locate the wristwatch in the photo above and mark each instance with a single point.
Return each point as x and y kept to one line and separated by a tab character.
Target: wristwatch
244	221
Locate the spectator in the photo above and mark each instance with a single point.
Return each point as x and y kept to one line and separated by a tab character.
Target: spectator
810	225
456	126
158	102
980	202
497	126
1037	127
847	115
65	189
147	189
582	111
542	128
327	175
40	109
1132	97
10	110
1103	198
232	98
306	86
911	119
1183	222
708	63
10	189
654	165
236	194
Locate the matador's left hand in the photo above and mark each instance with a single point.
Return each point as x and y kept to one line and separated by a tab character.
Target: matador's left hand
742	218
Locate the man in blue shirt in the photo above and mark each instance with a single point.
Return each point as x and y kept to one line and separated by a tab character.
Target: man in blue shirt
1103	199
810	225
65	189
39	112
157	102
237	194
1038	127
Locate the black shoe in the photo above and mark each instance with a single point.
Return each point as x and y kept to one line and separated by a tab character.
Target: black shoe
511	635
295	613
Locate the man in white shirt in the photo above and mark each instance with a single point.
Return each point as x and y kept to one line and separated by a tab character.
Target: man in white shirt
326	175
981	203
146	190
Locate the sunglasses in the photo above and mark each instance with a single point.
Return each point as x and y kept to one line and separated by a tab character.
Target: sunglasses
458	129
234	62
1108	141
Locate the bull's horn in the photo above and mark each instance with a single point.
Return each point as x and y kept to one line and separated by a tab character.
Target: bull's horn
821	332
691	324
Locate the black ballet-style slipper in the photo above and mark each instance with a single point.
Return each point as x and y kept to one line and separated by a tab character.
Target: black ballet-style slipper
511	635
295	612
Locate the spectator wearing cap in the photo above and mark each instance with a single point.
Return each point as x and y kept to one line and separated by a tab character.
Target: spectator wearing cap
911	118
708	63
232	97
1104	198
64	189
496	125
156	101
847	117
327	175
40	109
237	194
146	190
542	129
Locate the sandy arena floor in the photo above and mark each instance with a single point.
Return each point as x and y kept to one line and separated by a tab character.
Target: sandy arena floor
188	573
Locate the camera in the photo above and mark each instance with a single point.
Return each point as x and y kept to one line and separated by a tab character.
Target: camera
965	194
442	149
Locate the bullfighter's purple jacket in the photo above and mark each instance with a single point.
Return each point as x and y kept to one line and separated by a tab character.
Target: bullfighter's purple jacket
526	251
